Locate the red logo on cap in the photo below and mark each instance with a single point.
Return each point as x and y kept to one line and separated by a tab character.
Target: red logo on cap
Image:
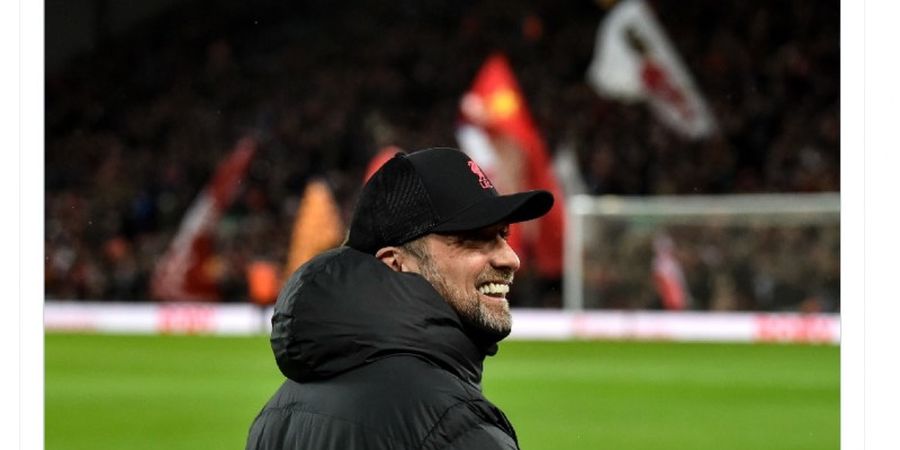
482	178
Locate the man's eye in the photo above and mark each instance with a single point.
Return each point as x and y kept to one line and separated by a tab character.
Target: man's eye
480	237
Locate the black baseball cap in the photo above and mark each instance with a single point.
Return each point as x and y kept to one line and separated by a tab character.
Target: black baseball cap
436	190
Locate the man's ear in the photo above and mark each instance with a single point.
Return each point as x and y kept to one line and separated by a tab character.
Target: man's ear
392	257
398	259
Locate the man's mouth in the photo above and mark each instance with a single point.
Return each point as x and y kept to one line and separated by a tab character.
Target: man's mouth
498	290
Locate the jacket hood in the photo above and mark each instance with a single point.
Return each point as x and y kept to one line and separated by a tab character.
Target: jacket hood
345	308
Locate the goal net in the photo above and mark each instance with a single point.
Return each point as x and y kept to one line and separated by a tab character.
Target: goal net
770	252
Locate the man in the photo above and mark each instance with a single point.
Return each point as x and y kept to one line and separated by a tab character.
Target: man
383	340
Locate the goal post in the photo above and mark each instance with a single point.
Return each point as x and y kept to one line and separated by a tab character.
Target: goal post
764	251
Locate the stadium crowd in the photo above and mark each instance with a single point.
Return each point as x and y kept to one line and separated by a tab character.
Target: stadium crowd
135	127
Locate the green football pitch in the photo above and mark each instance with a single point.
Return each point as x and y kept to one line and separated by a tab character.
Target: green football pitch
190	392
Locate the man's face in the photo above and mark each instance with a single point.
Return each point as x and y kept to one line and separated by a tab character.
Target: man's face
473	272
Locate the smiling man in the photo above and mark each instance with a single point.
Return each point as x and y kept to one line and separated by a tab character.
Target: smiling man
471	270
383	340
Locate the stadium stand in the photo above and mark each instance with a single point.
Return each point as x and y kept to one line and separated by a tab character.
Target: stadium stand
136	125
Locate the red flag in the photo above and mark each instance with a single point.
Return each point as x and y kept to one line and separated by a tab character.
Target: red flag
184	273
497	131
668	278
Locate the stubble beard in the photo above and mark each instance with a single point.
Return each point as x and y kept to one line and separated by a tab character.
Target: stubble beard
492	320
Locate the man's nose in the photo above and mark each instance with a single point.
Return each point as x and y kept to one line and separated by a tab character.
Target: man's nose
504	257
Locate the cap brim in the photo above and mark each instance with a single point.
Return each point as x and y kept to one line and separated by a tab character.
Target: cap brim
512	208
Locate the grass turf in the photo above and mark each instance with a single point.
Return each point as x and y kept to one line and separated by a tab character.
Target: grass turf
189	392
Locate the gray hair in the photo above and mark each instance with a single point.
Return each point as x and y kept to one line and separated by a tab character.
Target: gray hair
417	248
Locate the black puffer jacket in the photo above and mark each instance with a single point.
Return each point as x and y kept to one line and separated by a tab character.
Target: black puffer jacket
375	359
